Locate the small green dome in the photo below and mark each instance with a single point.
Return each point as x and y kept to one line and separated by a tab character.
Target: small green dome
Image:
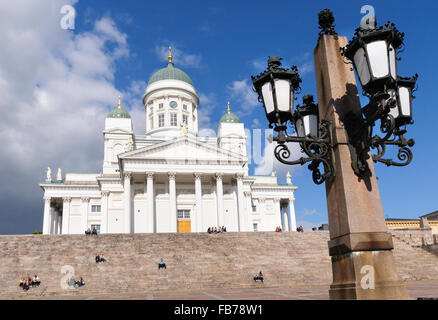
118	113
170	73
230	118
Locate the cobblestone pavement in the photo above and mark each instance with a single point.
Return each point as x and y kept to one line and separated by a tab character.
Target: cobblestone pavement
427	289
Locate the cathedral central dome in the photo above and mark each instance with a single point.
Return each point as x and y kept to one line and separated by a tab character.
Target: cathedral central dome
170	73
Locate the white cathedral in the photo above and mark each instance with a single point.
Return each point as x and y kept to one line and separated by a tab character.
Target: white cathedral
170	179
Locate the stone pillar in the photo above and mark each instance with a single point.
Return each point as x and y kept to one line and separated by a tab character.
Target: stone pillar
104	212
248	215
240	200
127	201
52	220
84	215
220	200
60	224
46	217
65	215
198	195
56	227
291	219
172	196
282	213
150	227
278	213
262	212
360	244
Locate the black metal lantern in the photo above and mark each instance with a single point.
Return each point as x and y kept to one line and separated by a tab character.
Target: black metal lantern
374	56
276	88
306	118
402	94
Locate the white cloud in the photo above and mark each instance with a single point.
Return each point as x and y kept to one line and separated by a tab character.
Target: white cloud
180	57
243	95
57	87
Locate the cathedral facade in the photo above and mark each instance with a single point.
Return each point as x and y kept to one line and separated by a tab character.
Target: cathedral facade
170	179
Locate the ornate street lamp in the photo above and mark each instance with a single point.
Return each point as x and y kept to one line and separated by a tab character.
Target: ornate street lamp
374	56
373	53
276	88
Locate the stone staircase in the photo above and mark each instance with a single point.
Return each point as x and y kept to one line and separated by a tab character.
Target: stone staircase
195	261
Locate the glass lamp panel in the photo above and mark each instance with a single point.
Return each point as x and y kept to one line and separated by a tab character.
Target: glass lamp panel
378	56
361	64
299	126
268	98
311	125
394	111
282	91
405	101
392	62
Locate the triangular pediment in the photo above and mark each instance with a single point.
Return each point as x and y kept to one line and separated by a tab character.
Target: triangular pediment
117	130
186	148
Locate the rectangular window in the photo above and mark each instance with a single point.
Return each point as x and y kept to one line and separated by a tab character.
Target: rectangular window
161	120
183	214
95	208
160	106
173	119
185	119
254	226
95	226
254	208
184	106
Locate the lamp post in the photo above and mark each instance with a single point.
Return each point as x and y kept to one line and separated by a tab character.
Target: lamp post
277	88
340	136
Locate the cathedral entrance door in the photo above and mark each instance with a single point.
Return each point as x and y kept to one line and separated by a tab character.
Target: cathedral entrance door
184	223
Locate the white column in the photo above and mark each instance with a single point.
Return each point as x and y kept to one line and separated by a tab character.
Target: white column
220	200
198	195
261	214
172	196
150	227
291	216
249	213
240	199
127	200
60	224
104	212
278	213
84	214
282	213
52	220
46	218
65	215
56	224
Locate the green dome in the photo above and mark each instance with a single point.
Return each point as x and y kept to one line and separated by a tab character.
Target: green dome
170	73
229	117
118	113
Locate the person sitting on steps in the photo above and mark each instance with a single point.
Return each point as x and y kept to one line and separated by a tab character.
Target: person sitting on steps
162	264
94	232
88	232
80	283
258	277
36	281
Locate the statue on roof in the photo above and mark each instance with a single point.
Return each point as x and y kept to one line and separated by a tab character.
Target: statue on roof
48	174
288	178
59	175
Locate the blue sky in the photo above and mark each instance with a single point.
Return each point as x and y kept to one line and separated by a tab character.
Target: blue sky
220	44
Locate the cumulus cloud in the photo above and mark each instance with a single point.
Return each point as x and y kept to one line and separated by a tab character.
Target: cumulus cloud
57	87
242	94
